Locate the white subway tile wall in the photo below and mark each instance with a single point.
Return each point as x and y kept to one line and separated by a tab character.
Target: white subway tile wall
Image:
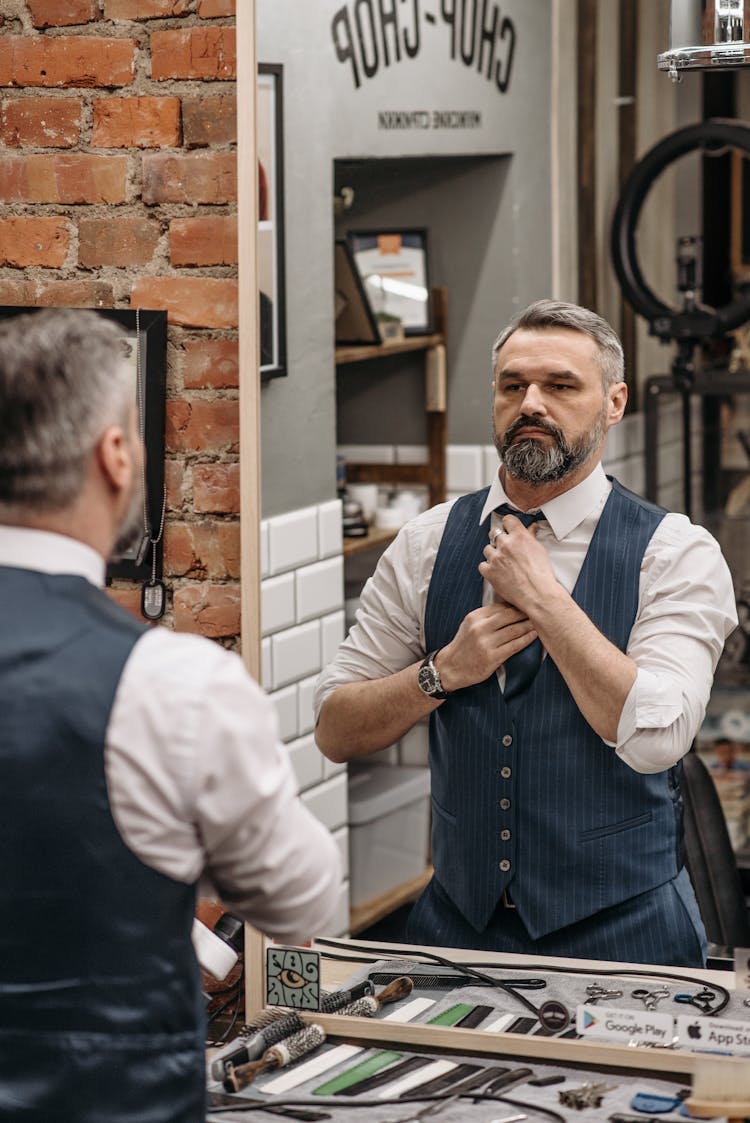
285	702
307	761
305	717
302	614
277	603
320	588
330	534
293	539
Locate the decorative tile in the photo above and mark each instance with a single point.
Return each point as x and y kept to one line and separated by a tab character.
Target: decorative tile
464	468
307	761
266	673
277	603
328	802
320	588
285	702
330	536
332	632
296	653
305	712
293	539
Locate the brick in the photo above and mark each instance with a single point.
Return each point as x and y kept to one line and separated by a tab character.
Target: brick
209	121
117	241
196	302
72	60
211	364
17	293
209	610
26	241
203	426
146	9
193	177
41	122
76	294
209	240
62	13
204	550
175	479
209	53
216	489
211	9
72	178
136	122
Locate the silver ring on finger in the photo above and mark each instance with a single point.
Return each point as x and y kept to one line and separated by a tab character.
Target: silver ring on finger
494	537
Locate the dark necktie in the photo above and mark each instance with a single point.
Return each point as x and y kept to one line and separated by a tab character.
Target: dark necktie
521	668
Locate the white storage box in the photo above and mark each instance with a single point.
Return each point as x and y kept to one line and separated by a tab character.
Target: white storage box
389	826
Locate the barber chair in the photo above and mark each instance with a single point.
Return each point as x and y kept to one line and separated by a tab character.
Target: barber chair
711	861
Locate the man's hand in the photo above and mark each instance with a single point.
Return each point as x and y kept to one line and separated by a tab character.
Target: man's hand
486	638
518	567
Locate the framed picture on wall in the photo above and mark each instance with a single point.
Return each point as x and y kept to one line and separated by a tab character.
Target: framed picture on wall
271	278
355	322
147	336
393	267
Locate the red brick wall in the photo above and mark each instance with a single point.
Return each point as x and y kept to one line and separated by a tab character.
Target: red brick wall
118	189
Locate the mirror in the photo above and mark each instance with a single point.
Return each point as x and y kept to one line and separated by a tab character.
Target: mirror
368	109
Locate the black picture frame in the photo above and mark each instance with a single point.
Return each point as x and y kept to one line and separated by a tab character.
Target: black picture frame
355	322
404	254
148	330
271	236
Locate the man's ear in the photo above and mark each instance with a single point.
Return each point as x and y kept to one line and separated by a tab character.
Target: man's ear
617	400
114	457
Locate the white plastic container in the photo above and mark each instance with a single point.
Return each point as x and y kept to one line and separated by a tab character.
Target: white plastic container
389	826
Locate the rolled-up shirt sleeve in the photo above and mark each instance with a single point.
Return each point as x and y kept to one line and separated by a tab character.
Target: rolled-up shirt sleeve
686	611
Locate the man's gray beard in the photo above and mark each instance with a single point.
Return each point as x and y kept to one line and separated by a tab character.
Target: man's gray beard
534	463
131	529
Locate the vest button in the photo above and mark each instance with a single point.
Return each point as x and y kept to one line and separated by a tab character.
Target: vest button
507	740
504	804
506	773
505	865
505	835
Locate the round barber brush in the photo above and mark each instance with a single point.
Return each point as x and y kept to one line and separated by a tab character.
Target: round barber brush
278	1056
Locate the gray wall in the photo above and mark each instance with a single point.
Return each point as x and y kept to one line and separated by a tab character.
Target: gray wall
489	219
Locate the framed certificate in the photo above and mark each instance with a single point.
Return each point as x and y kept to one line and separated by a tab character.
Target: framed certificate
393	267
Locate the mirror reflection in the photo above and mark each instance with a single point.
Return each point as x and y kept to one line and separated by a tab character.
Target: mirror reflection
522	835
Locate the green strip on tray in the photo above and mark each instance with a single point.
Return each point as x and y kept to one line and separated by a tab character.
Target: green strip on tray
379	1060
356	1073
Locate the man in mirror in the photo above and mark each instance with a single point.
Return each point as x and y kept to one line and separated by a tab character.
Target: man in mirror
561	634
133	761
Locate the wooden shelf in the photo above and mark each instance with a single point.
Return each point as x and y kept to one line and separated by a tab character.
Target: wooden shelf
370	912
357	353
377	536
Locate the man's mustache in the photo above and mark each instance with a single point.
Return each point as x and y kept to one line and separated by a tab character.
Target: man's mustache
532	422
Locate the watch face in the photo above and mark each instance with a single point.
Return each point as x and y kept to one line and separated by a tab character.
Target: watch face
426	680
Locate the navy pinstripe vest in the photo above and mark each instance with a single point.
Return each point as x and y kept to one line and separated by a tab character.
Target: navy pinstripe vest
100	1008
533	799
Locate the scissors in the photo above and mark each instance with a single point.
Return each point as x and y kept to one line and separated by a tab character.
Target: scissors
704	1000
650	998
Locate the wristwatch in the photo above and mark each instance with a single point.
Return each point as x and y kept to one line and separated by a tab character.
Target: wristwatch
428	679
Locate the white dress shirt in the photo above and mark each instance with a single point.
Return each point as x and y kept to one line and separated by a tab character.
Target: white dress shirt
198	782
686	609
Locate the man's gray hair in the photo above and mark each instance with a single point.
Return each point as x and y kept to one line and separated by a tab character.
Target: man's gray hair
557	314
64	377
